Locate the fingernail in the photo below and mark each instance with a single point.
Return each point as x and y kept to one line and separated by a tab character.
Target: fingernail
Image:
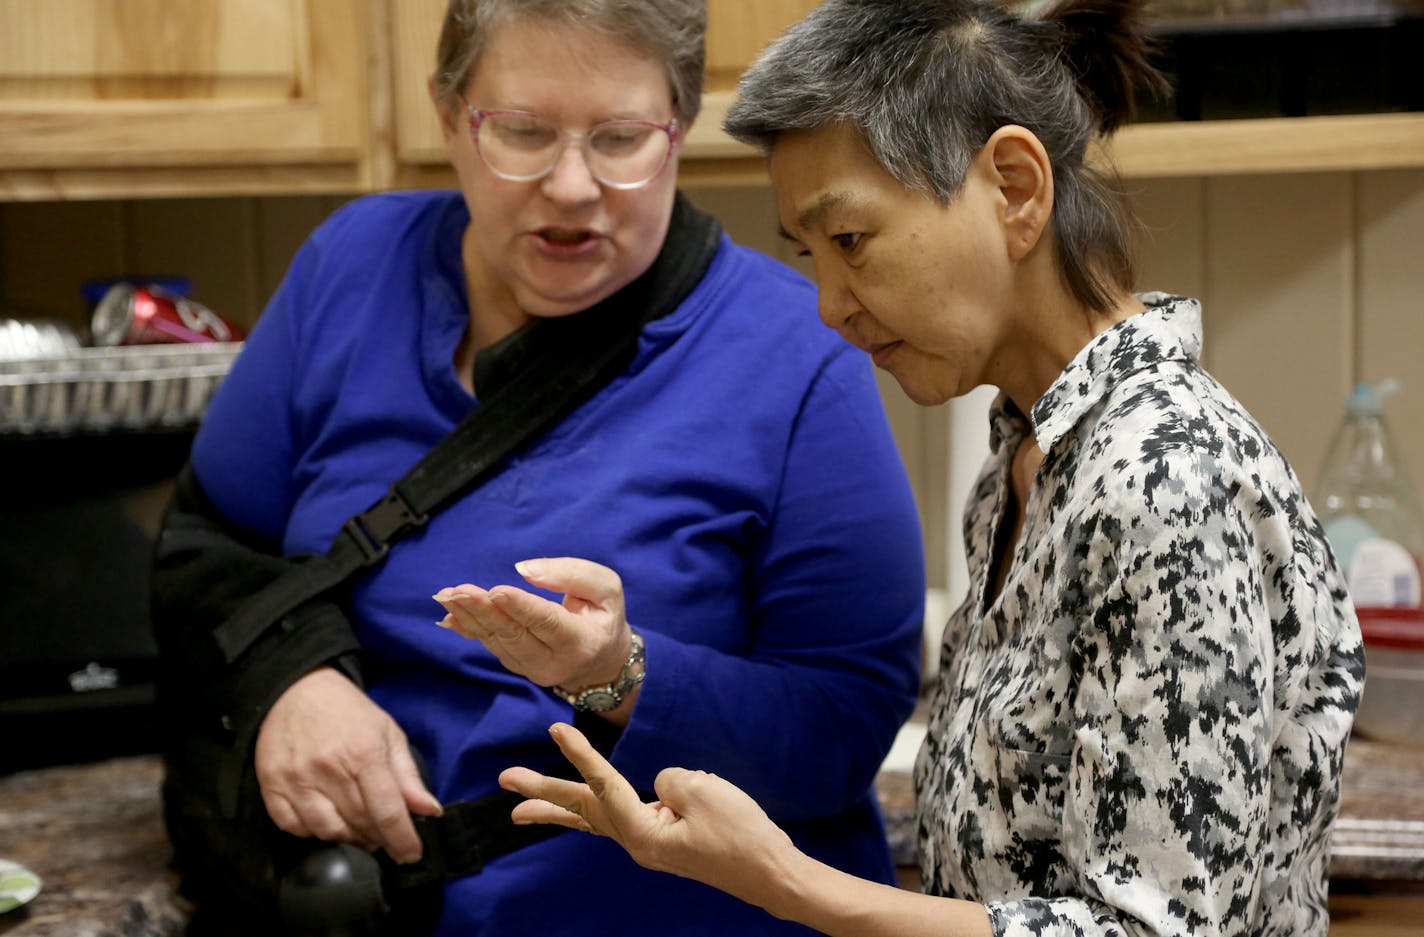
446	623
441	596
529	569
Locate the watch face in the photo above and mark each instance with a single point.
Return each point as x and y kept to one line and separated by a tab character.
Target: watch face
598	701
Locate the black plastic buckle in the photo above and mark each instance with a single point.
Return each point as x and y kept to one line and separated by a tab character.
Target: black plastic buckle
374	529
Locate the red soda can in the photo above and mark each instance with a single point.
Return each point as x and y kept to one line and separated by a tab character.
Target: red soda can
145	314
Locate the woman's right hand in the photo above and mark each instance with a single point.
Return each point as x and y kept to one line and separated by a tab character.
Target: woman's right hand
702	826
334	765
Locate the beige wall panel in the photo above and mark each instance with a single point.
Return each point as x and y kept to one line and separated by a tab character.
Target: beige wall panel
1173	246
922	437
210	241
1391	302
48	249
932	479
1278	313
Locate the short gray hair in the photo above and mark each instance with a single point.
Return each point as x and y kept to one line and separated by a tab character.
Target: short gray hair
928	82
672	31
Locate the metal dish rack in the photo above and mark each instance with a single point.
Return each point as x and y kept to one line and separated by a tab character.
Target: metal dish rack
135	387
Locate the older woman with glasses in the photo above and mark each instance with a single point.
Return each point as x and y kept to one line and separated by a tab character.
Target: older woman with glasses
1144	700
737	472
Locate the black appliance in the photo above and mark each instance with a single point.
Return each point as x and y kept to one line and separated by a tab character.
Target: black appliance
77	658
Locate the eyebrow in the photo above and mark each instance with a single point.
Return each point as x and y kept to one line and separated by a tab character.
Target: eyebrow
815	213
614	115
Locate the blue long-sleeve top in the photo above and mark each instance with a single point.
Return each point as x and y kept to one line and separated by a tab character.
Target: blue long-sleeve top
739	476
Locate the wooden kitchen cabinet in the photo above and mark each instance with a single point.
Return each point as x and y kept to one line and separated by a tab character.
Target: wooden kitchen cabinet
142	98
103	98
414	28
737	31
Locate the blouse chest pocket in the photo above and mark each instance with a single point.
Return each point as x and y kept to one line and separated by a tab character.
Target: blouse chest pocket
1031	787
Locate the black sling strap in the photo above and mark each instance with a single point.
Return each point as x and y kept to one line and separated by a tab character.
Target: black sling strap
558	363
539	376
466	836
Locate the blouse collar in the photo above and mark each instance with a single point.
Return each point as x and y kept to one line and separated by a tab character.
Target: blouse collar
1168	330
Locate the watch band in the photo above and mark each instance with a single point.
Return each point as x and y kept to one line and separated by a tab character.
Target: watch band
601	697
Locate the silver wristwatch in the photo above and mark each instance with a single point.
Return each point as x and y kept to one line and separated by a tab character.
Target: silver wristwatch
601	697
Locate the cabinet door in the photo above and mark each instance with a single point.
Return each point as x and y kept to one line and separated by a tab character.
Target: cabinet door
161	96
737	31
414	28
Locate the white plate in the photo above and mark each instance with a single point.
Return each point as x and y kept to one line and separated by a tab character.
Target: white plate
17	885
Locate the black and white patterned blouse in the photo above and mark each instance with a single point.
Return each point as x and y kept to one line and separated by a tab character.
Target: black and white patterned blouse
1143	733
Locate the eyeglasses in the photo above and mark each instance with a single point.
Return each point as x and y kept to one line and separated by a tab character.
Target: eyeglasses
522	147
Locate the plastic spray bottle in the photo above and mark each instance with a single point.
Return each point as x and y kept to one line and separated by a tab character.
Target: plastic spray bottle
1373	520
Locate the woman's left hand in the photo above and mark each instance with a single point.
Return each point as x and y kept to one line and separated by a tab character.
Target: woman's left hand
582	642
701	827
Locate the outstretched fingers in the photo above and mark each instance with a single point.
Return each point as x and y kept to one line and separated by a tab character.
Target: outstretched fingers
613	791
605	804
551	800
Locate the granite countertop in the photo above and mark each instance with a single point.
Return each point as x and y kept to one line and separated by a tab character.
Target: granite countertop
1380	831
94	834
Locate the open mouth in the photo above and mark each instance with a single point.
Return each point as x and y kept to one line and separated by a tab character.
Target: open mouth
566	237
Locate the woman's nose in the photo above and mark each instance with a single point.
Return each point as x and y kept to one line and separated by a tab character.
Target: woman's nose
834	300
571	180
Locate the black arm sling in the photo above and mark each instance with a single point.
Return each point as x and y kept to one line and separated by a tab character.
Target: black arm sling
538	377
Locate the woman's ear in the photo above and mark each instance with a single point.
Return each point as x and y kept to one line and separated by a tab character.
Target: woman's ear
1020	167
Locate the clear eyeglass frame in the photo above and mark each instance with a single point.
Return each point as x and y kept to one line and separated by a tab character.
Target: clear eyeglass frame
672	130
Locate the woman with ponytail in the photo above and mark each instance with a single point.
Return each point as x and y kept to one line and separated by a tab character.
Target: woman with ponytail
1143	703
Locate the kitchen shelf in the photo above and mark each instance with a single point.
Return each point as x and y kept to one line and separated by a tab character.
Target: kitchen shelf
1337	143
1340	143
190	181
